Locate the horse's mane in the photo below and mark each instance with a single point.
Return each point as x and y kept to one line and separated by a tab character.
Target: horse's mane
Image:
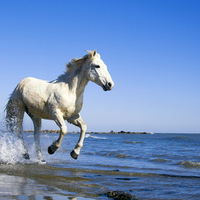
78	62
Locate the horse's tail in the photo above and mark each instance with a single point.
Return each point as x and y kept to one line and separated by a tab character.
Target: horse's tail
14	114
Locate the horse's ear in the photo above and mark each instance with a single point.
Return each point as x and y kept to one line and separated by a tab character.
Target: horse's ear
94	53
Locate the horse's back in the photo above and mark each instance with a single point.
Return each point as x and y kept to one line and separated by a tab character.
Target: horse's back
42	99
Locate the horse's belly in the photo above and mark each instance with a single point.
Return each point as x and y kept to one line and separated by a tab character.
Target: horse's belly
38	112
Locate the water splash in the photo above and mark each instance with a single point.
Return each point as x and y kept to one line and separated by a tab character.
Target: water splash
11	148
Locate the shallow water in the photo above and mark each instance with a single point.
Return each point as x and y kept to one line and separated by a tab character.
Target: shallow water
158	166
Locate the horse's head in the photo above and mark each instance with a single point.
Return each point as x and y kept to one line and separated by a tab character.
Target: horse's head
97	71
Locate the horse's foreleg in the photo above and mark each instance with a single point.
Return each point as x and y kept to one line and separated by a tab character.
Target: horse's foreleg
80	123
58	118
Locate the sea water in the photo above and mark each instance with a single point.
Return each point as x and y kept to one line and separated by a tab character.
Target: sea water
148	166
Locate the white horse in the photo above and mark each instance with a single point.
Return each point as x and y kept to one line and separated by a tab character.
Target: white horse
58	100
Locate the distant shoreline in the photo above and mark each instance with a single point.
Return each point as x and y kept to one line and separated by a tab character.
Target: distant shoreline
111	132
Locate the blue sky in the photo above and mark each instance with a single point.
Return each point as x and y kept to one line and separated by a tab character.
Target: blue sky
151	48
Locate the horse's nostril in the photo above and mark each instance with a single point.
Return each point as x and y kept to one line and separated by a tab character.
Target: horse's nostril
110	84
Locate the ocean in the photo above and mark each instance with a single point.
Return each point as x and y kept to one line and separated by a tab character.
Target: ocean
148	166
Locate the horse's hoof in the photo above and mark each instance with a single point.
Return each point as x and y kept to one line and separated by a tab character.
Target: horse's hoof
26	156
74	155
50	150
42	162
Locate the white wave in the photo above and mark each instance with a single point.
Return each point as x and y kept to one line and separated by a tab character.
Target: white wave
92	136
190	164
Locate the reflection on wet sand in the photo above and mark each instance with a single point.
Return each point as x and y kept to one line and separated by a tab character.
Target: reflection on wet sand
16	187
43	182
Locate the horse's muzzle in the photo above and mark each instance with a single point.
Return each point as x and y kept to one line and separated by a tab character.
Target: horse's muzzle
108	86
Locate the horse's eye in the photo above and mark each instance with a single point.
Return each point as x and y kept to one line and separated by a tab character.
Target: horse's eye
97	66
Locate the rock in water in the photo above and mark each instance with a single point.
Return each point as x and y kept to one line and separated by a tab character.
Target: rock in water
119	195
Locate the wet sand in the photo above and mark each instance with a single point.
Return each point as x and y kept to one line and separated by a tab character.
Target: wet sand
43	182
21	181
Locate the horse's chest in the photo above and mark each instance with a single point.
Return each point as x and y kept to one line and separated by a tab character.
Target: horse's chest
72	108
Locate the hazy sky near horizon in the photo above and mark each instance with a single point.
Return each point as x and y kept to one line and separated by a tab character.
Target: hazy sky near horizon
151	48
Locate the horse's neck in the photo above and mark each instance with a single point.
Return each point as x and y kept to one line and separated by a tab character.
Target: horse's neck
76	82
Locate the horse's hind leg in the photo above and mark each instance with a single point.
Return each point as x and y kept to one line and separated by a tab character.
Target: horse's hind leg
14	118
77	121
20	136
37	130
